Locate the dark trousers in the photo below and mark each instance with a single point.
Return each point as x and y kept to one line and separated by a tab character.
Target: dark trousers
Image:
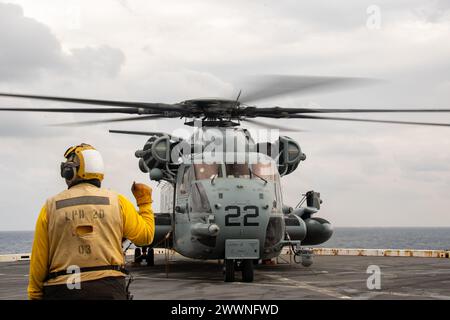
108	288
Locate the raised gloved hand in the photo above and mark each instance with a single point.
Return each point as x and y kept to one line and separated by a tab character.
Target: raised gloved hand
142	193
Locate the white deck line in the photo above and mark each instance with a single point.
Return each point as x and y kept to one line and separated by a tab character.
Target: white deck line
317	251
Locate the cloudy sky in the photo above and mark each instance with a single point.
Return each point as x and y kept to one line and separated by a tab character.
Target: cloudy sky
168	51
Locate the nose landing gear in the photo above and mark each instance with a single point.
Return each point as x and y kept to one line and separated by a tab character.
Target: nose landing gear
245	266
229	270
247	270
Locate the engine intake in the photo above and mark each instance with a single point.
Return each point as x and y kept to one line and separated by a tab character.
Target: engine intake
157	154
285	151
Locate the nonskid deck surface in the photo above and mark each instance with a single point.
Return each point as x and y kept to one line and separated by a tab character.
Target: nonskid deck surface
330	277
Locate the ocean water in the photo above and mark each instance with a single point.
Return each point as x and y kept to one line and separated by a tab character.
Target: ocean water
390	238
16	241
369	238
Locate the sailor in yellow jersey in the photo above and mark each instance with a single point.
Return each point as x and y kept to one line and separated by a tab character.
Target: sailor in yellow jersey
77	248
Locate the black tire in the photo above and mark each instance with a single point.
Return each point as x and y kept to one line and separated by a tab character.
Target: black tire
247	270
137	255
229	270
150	257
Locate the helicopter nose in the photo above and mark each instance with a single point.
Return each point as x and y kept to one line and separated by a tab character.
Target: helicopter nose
242	193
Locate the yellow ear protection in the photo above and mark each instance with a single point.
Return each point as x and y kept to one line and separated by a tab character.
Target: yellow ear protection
69	168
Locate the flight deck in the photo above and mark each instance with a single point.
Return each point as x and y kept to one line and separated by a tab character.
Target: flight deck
330	277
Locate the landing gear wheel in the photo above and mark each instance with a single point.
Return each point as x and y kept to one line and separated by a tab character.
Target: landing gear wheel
229	270
247	270
307	258
137	255
307	262
150	257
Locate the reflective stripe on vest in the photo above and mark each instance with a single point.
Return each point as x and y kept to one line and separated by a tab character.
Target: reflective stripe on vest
78	201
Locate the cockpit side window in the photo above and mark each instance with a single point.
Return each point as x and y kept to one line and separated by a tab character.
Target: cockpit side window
264	170
278	203
199	199
186	180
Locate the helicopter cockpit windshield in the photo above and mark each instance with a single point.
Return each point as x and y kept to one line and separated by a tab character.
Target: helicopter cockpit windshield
237	170
264	169
207	171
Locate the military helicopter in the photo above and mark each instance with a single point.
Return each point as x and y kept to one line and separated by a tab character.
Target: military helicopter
221	193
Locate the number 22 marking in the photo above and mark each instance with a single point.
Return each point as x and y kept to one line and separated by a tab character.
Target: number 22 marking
237	214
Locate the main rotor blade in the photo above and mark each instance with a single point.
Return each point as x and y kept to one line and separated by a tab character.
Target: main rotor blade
301	116
79	110
271	126
140	133
278	110
269	86
111	103
91	122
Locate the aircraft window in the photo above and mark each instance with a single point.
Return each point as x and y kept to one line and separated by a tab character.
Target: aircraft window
264	170
274	232
187	179
206	171
182	187
236	170
277	205
199	200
